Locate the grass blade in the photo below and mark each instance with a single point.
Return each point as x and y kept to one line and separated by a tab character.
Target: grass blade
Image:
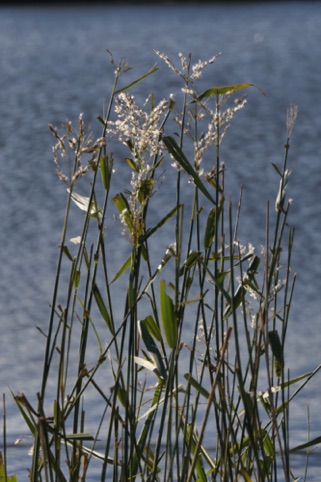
168	316
174	149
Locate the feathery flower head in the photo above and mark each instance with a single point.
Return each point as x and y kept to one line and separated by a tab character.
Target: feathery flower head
74	145
139	130
291	118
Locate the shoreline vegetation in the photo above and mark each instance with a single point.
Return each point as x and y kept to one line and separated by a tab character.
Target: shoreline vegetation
191	381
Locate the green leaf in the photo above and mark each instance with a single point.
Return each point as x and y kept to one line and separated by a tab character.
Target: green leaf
211	225
79	436
277	170
210	228
226	89
121	395
66	251
151	71
268	445
102	120
124	268
151	231
253	266
306	445
145	189
277	351
153	328
190	261
23	405
174	149
237	300
102	308
3	477
194	383
192	441
152	350
124	209
218	281
76	280
246	476
168	316
104	171
132	164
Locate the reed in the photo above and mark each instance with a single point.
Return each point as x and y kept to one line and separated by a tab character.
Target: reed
170	367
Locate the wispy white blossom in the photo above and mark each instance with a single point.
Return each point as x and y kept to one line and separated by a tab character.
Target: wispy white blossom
188	72
77	148
291	118
139	130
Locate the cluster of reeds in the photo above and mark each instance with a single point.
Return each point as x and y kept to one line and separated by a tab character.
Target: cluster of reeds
164	363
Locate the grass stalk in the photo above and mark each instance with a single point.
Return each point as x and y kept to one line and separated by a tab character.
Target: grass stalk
172	366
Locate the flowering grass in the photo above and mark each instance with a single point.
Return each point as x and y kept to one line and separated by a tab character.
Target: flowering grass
171	366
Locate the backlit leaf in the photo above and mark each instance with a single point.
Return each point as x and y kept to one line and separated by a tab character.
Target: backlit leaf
226	89
177	153
102	308
168	316
277	351
129	86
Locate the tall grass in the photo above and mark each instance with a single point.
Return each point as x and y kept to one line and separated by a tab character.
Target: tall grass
170	366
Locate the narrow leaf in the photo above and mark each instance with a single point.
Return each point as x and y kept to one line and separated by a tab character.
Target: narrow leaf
277	351
210	228
174	149
151	231
219	284
124	268
153	328
102	308
277	169
104	171
192	441
132	164
306	445
145	190
211	225
124	209
151	71
79	436
245	475
168	316
152	350
237	300
66	251
192	381
226	89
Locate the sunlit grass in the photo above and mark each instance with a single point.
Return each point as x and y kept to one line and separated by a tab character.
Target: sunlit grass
169	366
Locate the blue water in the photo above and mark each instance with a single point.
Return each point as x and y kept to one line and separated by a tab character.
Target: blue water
54	65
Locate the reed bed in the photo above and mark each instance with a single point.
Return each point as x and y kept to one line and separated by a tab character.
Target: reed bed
170	367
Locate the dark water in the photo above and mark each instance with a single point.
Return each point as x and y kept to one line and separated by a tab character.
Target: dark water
54	65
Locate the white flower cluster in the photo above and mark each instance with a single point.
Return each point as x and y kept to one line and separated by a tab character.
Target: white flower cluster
78	144
138	129
212	123
188	73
